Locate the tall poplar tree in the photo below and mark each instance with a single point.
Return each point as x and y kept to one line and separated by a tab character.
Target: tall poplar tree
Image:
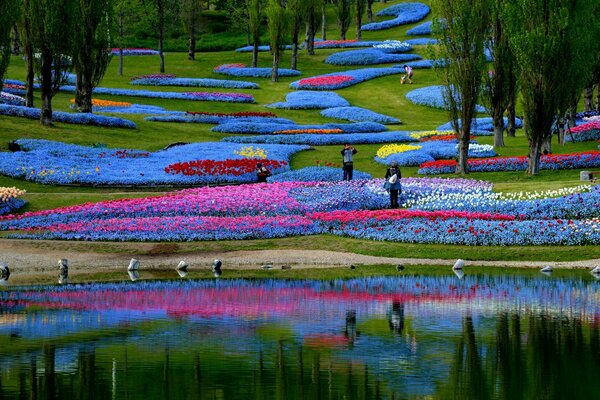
255	18
190	16
343	10
461	27
8	15
277	19
361	6
296	9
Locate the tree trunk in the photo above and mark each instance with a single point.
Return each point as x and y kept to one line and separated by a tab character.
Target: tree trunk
121	40
598	96
28	57
255	53
498	119
370	11
295	34
161	35
512	120
342	34
533	163
463	153
588	93
192	46
83	92
358	26
275	70
120	61
547	145
248	36
323	23
310	33
46	87
16	44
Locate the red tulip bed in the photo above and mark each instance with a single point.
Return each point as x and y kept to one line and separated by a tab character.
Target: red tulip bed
226	167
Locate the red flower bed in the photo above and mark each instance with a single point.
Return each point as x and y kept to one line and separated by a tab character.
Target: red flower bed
442	137
13	86
235	114
227	167
326	80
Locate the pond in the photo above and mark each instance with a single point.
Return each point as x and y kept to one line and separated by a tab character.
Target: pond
517	335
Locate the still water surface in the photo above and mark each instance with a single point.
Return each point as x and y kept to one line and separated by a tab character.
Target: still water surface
512	336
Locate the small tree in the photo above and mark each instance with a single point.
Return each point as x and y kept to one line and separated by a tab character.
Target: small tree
361	5
324	21
344	16
255	17
26	34
8	16
190	16
312	8
92	49
370	10
277	20
461	27
238	16
296	9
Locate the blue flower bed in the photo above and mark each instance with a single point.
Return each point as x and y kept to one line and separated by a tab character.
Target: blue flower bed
200	96
67	118
51	162
432	96
195	82
368	57
136	52
8	207
431	151
269	128
404	13
136	109
262	48
311	100
321	140
11	99
254	72
421	41
479	125
423	29
320	174
344	44
358	114
357	75
215	119
421	64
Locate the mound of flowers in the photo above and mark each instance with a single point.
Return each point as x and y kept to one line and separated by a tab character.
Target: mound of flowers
228	167
585	132
14	88
480	125
404	13
11	99
123	107
49	162
423	29
321	140
432	96
67	118
9	199
311	100
135	51
393	46
172	80
343	44
242	70
368	57
339	80
414	155
421	41
589	159
215	119
318	173
310	131
358	114
343	208
270	128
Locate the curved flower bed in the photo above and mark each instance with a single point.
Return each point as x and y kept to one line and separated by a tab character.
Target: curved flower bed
227	167
413	155
589	159
262	48
242	70
339	80
358	114
321	140
340	207
421	41
433	96
316	174
11	99
9	199
343	44
214	119
393	46
585	132
135	52
154	80
480	125
404	13
59	163
310	131
266	128
67	118
368	57
17	89
311	100
423	29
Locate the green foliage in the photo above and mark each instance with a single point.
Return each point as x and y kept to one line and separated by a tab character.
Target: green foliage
8	16
344	16
278	21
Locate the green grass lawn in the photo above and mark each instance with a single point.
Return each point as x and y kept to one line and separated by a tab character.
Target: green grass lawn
384	95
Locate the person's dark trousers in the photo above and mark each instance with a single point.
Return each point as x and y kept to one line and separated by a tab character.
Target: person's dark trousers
348	168
394	198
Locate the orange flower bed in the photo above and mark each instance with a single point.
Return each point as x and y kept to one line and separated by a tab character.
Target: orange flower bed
107	103
300	131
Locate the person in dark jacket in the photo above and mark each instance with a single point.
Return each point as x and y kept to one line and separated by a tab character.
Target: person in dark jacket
262	173
392	178
347	152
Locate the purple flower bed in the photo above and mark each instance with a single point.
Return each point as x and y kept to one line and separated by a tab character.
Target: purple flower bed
358	114
269	128
236	70
321	139
368	57
479	125
195	82
432	96
316	174
67	118
311	100
404	13
423	29
59	163
215	119
321	82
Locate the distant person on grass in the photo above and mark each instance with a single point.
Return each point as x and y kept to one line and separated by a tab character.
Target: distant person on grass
347	152
408	76
392	183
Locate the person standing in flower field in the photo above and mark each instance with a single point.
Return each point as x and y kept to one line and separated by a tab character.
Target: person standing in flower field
409	74
392	183
347	153
262	173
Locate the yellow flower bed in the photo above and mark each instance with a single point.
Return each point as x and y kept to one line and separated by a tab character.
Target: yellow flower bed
419	135
7	193
107	103
390	149
251	152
